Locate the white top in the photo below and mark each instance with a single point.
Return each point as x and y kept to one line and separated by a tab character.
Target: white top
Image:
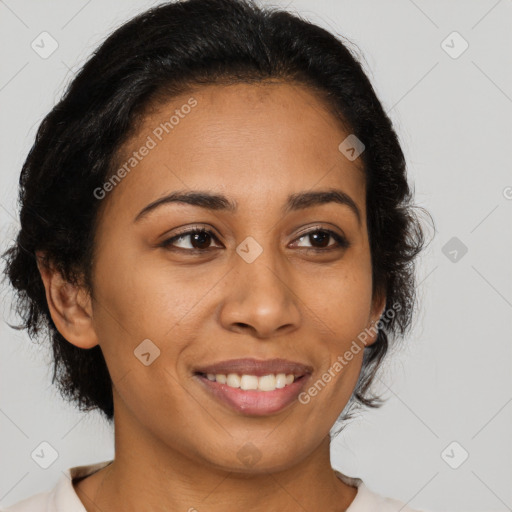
63	498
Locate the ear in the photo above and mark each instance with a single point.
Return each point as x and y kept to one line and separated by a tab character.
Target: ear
378	306
70	306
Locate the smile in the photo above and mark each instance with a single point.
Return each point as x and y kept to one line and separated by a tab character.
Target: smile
279	391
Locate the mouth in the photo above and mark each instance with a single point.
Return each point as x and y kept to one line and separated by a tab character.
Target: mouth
254	387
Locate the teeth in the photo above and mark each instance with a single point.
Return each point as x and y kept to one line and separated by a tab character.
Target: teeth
267	383
247	382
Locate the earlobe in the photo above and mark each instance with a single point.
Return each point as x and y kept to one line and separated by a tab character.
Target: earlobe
70	307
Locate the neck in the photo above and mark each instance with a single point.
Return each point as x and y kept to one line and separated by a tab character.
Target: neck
148	476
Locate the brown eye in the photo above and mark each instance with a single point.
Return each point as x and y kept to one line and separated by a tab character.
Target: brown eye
319	239
198	240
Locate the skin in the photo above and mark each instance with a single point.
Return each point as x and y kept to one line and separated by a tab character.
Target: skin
176	447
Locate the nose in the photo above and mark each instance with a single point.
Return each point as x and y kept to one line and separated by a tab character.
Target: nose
260	298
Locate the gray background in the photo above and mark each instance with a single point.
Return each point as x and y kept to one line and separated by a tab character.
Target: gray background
451	381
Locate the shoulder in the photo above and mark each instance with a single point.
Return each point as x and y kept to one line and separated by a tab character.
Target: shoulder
367	500
62	498
37	503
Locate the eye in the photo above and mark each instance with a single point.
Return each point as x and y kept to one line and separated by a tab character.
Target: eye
322	237
199	240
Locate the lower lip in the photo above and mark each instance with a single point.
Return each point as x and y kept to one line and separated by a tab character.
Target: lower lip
253	402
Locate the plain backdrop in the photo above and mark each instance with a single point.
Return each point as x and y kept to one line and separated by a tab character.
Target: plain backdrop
449	387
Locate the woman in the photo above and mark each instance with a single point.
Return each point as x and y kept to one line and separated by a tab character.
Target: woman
217	229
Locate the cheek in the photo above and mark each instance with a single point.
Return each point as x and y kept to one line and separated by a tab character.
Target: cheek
147	299
146	295
341	300
341	303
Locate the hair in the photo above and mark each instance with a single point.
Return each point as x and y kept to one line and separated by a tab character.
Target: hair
165	51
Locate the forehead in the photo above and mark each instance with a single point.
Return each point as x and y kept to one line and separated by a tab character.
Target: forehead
252	142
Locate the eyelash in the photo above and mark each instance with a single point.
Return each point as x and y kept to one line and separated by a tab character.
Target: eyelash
342	242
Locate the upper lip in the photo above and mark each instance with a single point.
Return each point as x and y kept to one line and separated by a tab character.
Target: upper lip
257	367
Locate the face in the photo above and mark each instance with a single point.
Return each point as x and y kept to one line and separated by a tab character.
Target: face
247	274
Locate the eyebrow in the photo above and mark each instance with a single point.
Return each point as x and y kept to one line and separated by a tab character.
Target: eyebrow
218	202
